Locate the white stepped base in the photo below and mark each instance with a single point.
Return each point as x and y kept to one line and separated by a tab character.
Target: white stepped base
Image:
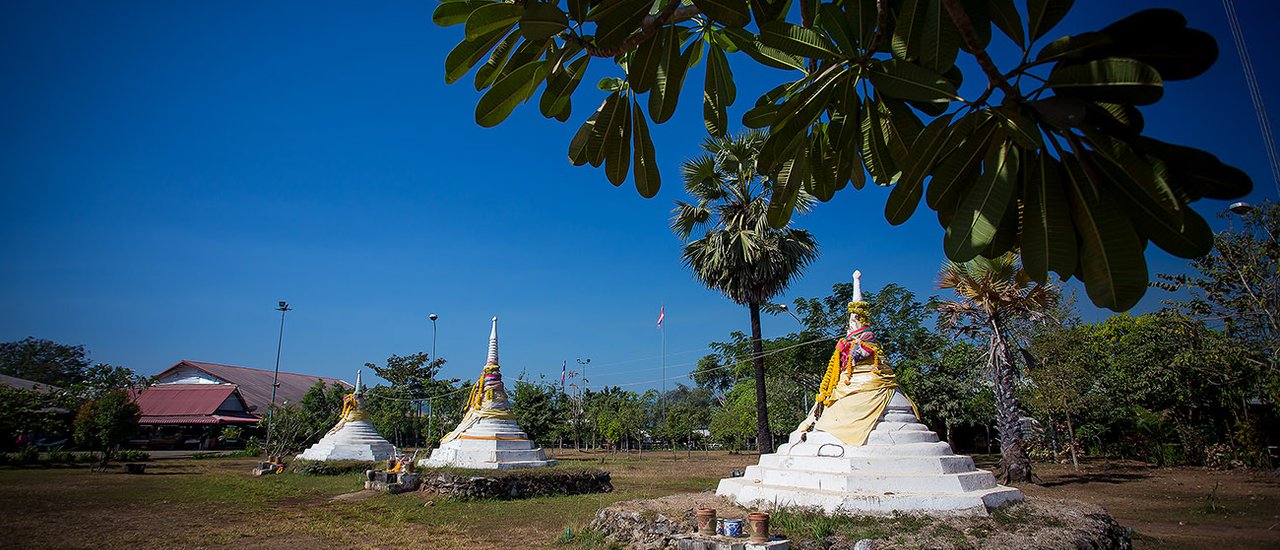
355	441
511	449
902	467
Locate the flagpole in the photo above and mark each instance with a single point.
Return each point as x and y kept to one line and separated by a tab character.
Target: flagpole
664	363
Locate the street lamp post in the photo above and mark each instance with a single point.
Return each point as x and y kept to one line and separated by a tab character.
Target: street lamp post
584	363
275	377
430	418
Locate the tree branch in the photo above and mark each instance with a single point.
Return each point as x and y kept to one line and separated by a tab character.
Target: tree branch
882	21
672	12
970	36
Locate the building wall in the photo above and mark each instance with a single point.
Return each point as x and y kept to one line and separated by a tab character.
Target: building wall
188	375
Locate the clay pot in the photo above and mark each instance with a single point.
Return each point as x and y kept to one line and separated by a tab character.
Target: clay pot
758	526
706	520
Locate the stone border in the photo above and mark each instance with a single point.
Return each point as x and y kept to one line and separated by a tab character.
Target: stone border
1038	523
512	484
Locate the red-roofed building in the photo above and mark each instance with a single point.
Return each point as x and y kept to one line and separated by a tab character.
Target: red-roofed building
192	401
254	384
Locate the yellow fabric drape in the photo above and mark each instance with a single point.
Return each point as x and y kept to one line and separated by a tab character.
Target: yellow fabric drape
855	404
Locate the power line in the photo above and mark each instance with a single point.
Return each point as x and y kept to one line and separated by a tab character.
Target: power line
1255	92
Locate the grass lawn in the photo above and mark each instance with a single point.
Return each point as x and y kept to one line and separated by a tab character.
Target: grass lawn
215	502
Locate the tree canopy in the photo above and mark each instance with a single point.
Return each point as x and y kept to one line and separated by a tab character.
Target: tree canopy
1050	158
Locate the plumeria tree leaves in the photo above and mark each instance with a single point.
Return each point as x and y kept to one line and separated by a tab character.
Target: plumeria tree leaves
1055	166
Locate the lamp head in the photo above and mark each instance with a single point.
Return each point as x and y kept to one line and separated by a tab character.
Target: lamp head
433	317
1241	207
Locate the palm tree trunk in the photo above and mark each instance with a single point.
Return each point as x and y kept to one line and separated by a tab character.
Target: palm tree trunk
1013	456
764	437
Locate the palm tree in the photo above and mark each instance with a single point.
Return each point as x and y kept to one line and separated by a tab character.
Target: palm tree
740	254
995	292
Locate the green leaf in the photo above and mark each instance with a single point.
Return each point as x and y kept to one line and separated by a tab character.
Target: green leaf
542	20
765	55
1160	38
467	53
983	207
793	118
797	40
498	58
862	19
1018	126
670	78
1146	200
617	19
560	87
926	150
497	103
1114	79
449	14
578	9
617	145
831	19
760	116
902	80
940	42
1196	172
718	93
1072	47
786	189
962	154
822	178
901	128
1111	261
1043	15
608	112
1048	237
1005	16
643	68
909	30
729	13
578	154
875	146
491	17
648	178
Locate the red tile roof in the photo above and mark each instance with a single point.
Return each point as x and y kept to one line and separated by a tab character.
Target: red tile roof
255	384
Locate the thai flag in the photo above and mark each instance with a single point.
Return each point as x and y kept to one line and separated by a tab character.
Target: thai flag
662	314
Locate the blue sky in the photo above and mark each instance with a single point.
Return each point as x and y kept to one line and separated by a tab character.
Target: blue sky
169	170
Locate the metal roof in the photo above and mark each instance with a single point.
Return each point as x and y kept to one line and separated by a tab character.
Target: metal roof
255	384
183	399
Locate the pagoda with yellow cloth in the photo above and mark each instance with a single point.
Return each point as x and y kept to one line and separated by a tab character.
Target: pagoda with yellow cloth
488	436
862	448
354	437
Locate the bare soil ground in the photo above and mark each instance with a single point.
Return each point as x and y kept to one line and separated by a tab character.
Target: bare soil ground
186	503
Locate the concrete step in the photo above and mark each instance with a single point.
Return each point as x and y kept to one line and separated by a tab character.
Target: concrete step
974	503
963	482
947	464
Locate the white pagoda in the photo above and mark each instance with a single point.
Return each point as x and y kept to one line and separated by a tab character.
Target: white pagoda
863	450
354	437
488	436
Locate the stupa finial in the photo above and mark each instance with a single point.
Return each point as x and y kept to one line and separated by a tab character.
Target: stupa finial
493	344
857	286
359	385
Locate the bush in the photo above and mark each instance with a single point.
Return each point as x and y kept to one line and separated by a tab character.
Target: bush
26	455
132	455
6	458
58	455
